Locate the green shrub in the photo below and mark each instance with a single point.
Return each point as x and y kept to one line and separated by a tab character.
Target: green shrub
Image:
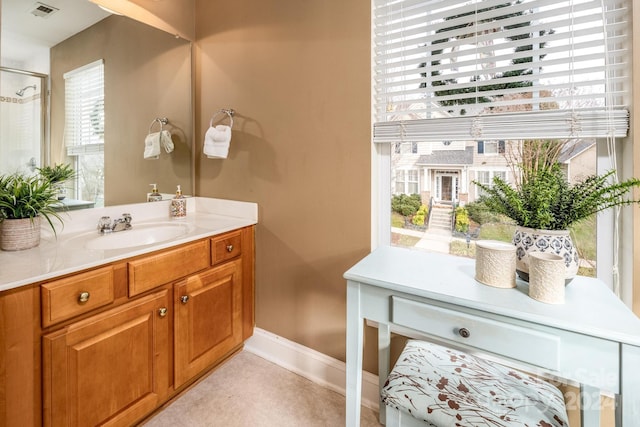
480	213
406	205
462	219
418	219
420	216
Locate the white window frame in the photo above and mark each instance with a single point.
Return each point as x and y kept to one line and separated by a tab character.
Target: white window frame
490	148
406	148
84	123
494	147
504	174
406	182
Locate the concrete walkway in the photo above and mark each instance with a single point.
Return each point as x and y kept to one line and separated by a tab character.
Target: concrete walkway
431	240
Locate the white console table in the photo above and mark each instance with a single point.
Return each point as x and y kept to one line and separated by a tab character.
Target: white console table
593	339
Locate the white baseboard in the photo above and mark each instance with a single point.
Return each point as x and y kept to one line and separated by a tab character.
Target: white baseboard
311	364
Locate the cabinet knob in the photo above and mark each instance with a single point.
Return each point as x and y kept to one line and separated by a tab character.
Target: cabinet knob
83	297
229	248
464	332
162	312
184	299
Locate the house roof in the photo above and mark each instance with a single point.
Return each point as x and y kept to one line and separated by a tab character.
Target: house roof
574	148
448	157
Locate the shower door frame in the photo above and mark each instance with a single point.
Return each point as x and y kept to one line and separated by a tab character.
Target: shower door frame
45	147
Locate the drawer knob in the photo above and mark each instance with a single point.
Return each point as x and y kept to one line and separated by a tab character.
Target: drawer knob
162	312
83	297
229	248
184	299
464	332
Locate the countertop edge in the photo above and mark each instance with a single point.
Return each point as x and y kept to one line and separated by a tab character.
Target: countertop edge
205	222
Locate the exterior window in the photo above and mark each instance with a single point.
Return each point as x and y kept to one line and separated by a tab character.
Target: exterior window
486	178
533	70
406	148
407	182
491	147
84	129
400	181
412	182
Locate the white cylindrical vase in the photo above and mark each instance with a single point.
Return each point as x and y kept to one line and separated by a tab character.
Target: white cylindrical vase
496	263
547	277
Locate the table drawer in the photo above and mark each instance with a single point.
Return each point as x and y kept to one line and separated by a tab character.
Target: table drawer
506	339
225	247
69	297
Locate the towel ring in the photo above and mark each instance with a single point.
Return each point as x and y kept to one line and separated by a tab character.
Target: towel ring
228	111
160	120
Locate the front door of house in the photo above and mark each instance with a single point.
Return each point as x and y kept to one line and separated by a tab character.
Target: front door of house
446	188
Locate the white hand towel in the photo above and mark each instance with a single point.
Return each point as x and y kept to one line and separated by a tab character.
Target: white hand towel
165	141
154	141
152	146
216	142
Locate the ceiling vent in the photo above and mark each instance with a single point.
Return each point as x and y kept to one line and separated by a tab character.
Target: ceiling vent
43	10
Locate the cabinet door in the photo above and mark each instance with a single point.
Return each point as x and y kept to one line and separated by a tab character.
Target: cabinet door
208	319
110	369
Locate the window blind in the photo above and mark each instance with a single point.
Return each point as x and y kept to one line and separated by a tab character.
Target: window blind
84	109
500	69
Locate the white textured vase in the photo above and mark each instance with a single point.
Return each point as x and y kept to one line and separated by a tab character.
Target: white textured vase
496	263
546	283
558	242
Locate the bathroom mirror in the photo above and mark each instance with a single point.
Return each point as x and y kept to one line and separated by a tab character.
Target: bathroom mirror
147	75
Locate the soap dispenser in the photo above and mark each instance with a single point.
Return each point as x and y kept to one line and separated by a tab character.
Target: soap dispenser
178	207
154	196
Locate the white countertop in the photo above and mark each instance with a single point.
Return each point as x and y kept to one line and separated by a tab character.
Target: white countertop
66	253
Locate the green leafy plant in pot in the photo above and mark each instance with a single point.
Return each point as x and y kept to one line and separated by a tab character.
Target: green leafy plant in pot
57	175
544	205
24	201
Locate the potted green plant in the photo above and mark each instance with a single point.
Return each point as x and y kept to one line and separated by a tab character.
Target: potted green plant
24	201
544	205
57	175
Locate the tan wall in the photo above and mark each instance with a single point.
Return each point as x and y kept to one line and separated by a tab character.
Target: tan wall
147	75
297	74
175	17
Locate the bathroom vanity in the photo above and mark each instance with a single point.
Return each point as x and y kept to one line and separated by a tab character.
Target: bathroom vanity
106	336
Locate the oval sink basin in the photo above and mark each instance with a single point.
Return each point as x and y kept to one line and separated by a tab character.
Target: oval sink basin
139	235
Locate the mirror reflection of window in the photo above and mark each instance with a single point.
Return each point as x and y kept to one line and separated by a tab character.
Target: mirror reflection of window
84	129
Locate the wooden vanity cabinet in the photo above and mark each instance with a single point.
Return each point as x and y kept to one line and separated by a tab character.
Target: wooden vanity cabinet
211	312
208	319
114	356
109	369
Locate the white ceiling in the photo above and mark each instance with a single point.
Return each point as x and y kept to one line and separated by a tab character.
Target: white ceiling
25	35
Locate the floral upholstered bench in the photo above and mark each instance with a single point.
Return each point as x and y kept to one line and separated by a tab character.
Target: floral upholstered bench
437	386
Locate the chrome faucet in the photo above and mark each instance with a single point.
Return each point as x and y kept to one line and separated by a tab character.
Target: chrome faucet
106	226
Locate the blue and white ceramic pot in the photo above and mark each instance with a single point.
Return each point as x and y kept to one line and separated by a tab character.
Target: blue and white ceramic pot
551	241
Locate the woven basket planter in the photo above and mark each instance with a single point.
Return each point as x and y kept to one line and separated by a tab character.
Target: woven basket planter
19	234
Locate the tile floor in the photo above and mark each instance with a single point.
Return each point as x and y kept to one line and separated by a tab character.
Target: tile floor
248	391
